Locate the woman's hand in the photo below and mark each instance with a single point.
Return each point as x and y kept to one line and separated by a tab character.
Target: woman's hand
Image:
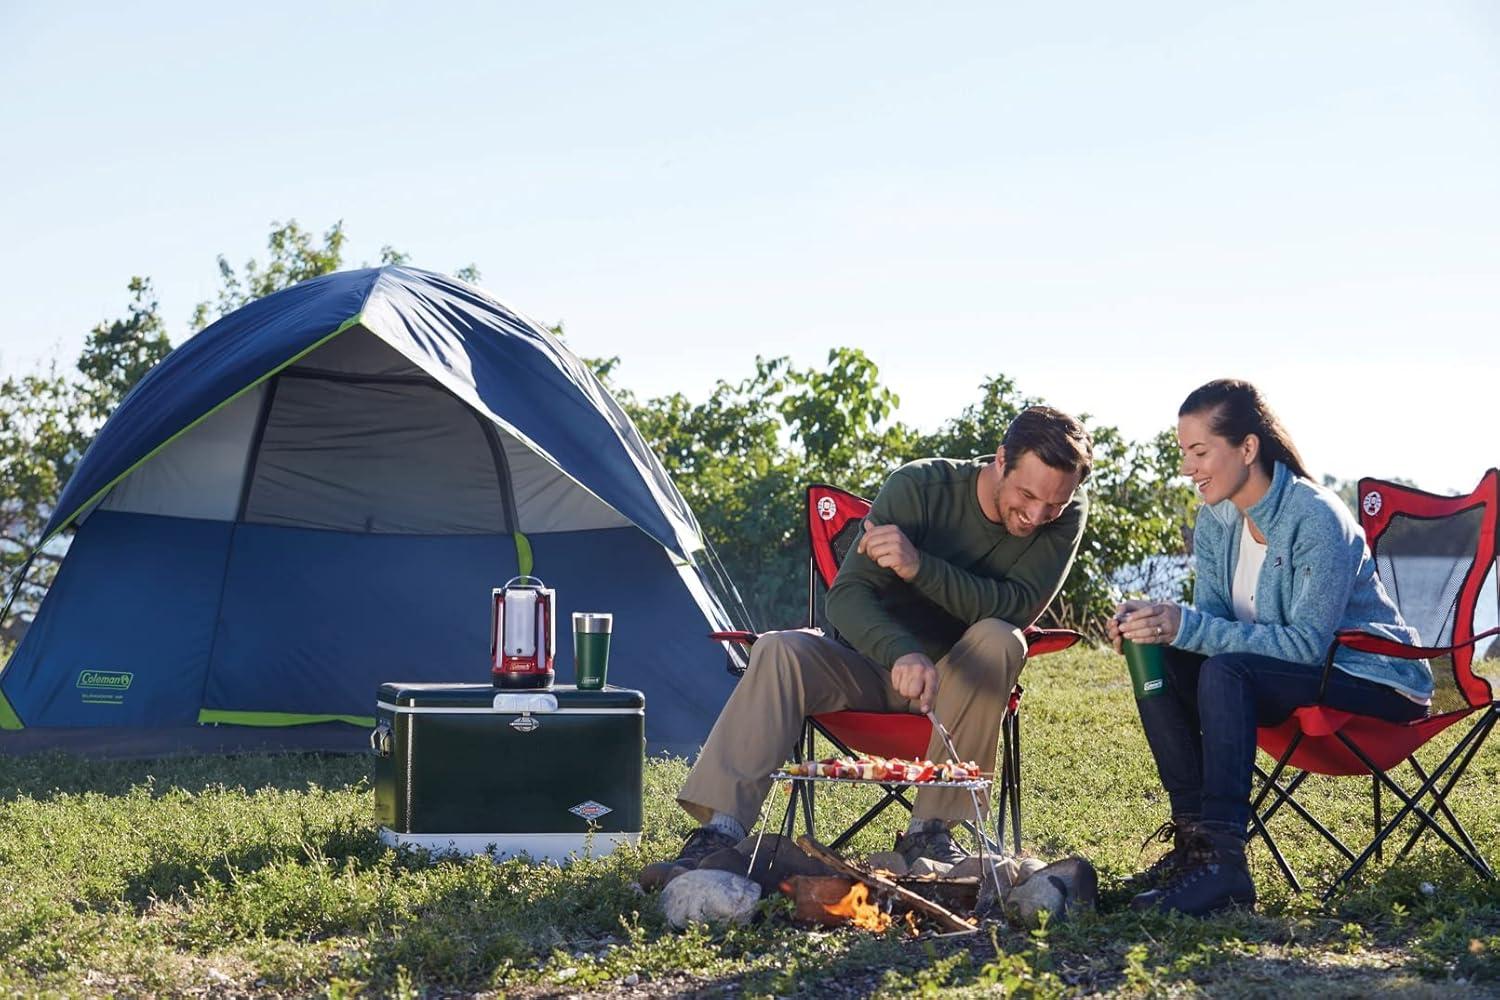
1112	626
1145	623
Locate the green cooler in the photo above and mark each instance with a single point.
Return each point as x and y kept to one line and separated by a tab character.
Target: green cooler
470	768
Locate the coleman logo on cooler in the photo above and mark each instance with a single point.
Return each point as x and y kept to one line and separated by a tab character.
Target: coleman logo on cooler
590	810
525	724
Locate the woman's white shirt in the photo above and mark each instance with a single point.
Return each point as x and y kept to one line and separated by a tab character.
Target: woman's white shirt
1247	574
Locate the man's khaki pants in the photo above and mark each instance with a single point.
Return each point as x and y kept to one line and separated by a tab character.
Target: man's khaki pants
800	673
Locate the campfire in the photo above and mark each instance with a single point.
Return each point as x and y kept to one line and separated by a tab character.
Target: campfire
864	897
857	908
828	890
832	900
872	899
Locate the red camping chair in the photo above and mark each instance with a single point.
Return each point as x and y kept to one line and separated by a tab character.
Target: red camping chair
833	521
1432	554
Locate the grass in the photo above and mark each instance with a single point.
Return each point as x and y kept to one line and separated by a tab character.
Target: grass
264	875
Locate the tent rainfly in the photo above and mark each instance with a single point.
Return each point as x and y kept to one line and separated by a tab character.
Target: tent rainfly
315	495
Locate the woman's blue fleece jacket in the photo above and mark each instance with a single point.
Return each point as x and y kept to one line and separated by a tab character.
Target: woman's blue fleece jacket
1318	577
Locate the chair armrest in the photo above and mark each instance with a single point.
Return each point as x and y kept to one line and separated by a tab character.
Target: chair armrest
731	638
736	635
1041	641
1367	642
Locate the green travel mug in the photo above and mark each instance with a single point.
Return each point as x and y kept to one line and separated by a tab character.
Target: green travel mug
1148	668
591	648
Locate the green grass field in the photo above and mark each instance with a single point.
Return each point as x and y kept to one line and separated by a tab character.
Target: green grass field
264	876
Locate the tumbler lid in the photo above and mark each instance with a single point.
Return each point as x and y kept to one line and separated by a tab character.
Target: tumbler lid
592	621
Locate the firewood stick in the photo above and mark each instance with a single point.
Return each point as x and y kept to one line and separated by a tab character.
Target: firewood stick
944	916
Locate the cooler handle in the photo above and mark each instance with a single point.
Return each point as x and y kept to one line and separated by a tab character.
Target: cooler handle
380	740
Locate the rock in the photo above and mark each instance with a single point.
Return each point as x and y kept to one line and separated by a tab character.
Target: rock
709	897
970	867
1027	867
887	861
1079	879
1027	901
778	859
727	860
927	866
655	876
1006	871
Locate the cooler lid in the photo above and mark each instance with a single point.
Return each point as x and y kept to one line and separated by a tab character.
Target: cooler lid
488	698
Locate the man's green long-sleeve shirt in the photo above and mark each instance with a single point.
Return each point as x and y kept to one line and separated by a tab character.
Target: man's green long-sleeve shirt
971	568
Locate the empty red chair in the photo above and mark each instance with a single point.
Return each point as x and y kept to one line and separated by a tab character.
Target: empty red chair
1433	555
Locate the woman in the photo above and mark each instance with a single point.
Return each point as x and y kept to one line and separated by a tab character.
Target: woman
1280	566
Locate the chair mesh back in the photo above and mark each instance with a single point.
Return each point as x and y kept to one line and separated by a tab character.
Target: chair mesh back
839	545
1433	555
842	542
1487	618
1423	564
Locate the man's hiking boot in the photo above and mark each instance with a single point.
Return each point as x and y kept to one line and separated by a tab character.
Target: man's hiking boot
932	841
1174	831
1214	874
701	843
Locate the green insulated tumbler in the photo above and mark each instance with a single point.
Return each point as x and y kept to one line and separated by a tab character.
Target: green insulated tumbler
591	648
1147	664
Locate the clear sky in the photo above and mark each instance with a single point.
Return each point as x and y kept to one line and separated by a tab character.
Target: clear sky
1109	202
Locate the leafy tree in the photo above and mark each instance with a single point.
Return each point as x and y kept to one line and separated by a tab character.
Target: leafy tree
44	427
743	457
293	257
119	352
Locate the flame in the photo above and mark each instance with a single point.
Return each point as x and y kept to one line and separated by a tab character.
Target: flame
856	906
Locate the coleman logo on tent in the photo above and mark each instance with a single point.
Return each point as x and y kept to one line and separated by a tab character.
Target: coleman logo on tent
525	724
590	810
105	680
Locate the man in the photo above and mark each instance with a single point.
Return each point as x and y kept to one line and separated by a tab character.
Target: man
954	559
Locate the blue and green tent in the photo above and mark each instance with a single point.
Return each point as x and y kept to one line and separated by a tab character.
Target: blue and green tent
315	495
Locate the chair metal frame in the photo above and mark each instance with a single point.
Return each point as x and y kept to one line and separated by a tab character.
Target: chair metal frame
1340	743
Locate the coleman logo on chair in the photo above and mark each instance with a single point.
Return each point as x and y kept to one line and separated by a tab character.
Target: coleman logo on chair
827	508
590	810
1372	503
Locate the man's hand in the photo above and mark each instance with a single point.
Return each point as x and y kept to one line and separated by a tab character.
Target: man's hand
915	678
886	546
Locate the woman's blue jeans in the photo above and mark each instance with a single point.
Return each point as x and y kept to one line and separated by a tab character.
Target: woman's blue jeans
1201	727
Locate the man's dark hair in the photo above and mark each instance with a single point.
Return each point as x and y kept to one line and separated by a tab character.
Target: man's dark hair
1056	438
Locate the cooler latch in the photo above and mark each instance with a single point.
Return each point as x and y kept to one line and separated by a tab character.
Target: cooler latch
525	702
